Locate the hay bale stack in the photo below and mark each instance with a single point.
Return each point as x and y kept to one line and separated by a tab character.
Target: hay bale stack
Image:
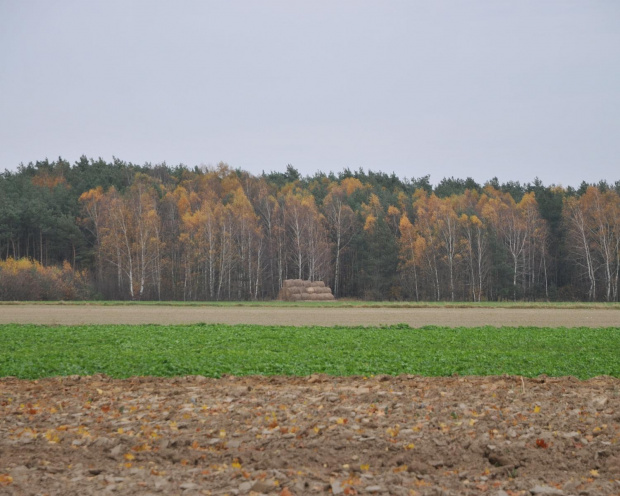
300	290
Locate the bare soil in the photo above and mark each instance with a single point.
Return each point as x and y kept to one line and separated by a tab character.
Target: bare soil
403	435
415	317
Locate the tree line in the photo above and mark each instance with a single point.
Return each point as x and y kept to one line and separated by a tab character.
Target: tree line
155	232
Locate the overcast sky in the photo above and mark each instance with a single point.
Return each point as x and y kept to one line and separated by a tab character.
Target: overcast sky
513	89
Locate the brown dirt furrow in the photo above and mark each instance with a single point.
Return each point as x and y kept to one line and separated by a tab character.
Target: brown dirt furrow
415	317
406	435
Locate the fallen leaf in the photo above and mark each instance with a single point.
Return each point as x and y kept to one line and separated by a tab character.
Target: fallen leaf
541	443
52	437
6	479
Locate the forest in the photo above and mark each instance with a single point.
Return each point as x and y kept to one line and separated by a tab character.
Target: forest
121	231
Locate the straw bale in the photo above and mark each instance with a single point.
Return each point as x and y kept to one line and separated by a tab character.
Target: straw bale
295	290
292	282
322	290
317	284
306	284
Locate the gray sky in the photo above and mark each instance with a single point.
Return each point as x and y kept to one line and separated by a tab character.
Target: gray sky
513	89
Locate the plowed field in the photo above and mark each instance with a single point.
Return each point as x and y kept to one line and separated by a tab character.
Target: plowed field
317	435
325	316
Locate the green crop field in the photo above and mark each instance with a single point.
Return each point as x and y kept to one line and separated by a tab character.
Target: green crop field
31	351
